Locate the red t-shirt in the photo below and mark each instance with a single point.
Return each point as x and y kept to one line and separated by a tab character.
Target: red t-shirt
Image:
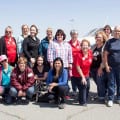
75	51
84	63
11	49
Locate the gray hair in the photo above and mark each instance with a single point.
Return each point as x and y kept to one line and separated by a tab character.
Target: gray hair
73	32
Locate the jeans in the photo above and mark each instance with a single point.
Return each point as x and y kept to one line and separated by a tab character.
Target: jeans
102	87
83	89
60	91
114	80
5	95
29	92
73	83
93	74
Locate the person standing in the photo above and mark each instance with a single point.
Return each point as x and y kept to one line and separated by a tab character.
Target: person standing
75	45
98	72
8	46
44	45
60	48
112	65
25	33
31	46
108	31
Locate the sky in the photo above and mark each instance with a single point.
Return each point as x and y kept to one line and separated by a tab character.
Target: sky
82	15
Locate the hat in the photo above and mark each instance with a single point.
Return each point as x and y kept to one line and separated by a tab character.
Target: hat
3	57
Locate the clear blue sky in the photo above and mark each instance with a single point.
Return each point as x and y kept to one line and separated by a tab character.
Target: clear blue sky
82	15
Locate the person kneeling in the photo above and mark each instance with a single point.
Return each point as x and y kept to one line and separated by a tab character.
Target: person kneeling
22	81
57	82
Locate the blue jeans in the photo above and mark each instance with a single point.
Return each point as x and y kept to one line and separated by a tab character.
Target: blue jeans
73	83
102	87
93	74
83	89
5	95
29	92
114	80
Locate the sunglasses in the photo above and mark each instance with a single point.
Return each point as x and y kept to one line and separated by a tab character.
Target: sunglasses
8	31
3	61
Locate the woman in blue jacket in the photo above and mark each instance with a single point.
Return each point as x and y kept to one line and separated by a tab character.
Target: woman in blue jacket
57	81
5	73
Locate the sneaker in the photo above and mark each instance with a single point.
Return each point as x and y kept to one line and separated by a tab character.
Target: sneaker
19	101
61	106
110	103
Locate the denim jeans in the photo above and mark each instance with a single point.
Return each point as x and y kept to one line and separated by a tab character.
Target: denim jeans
60	91
5	94
73	83
83	89
93	74
29	92
102	87
114	80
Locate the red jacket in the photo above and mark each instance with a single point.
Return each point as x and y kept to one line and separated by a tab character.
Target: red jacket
22	80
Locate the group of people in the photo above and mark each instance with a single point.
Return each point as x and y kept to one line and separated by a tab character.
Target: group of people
54	60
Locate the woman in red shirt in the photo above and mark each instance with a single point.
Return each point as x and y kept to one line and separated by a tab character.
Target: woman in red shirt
8	46
83	63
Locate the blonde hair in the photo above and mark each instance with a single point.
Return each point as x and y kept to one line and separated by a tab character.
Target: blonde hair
103	35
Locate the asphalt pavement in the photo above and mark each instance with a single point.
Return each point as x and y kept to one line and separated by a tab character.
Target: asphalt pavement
72	111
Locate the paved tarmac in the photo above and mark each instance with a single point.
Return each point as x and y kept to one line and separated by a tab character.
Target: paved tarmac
72	111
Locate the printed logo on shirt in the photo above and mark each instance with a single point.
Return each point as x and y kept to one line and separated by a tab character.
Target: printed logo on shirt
19	76
90	60
30	74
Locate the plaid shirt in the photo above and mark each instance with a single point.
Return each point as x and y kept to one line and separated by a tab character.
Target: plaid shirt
62	50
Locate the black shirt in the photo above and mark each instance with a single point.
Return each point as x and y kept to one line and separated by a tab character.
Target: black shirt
113	47
97	58
38	73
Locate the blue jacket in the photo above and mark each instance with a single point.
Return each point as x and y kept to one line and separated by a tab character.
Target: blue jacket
43	47
6	77
62	80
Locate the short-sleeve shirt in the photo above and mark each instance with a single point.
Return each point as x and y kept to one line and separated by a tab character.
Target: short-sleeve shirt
97	58
84	63
38	73
113	48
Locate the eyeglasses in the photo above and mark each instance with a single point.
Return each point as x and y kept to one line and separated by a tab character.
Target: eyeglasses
117	31
106	29
59	35
8	31
3	61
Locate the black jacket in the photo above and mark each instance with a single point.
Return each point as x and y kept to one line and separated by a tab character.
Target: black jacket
30	47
